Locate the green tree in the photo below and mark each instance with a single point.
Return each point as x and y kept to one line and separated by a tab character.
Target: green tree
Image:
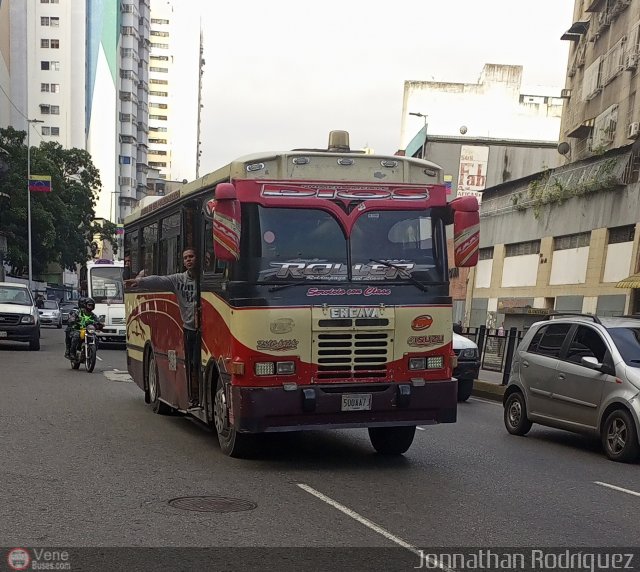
62	222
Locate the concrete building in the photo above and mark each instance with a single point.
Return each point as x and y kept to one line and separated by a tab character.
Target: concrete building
175	71
602	110
497	107
80	68
566	240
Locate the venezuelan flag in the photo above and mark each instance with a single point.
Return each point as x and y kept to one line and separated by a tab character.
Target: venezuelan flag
40	183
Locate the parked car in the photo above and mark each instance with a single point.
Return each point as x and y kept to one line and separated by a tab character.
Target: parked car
580	373
468	365
19	320
65	309
50	314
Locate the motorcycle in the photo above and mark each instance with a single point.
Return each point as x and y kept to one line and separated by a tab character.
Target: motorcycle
87	351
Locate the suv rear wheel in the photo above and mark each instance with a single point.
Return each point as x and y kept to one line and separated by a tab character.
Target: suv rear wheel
515	415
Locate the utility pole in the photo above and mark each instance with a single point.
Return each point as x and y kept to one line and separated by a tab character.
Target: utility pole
29	122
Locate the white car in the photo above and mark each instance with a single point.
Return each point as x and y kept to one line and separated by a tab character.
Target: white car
468	365
19	320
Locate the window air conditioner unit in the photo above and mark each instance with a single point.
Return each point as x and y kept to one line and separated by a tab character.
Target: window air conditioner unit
633	131
631	61
565	94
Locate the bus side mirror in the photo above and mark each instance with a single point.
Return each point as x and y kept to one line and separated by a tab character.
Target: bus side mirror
226	223
466	231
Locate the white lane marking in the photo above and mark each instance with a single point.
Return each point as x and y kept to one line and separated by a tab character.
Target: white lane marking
373	526
420	428
629	492
99	358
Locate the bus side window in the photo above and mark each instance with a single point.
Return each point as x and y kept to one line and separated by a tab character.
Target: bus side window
170	260
131	253
149	250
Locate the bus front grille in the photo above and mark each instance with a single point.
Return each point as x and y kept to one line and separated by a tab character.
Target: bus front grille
351	355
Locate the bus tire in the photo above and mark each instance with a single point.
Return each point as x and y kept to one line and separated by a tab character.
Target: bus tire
153	384
392	440
232	443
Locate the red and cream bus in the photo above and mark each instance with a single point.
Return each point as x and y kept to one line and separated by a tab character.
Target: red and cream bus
322	295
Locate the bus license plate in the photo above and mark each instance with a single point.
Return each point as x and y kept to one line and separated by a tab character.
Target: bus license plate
356	402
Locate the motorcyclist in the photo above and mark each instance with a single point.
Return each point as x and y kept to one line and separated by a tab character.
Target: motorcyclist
81	319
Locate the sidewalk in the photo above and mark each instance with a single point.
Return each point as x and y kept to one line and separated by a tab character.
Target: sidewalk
488	385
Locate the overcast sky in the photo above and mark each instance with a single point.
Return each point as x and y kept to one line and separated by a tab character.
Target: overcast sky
282	74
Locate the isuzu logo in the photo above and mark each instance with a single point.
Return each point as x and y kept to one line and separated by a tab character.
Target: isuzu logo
354	312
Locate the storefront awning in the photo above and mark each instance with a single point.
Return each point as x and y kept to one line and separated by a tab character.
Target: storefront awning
632	281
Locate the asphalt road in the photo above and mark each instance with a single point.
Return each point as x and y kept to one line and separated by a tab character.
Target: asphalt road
86	463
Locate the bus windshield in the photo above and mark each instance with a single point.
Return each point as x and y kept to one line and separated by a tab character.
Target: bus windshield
287	245
106	285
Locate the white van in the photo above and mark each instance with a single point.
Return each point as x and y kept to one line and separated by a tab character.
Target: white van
468	365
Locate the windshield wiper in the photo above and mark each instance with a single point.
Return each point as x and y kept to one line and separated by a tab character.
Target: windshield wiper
403	272
289	284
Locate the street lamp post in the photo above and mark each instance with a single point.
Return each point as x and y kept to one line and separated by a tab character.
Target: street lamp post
424	146
29	122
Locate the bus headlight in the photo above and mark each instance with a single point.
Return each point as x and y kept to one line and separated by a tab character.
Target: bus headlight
435	362
416	363
285	367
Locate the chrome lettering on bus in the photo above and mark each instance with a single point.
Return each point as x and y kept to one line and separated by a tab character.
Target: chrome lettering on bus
346	193
335	271
354	312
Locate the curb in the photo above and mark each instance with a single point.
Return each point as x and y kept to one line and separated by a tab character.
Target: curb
488	390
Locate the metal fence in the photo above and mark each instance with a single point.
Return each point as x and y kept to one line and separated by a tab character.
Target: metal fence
496	348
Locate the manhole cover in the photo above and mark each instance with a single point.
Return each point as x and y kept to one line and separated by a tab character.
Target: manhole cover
212	504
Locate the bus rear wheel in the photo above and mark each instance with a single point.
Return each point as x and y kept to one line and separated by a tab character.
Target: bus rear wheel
392	440
232	443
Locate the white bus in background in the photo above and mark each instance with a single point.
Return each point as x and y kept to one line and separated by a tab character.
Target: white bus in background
105	286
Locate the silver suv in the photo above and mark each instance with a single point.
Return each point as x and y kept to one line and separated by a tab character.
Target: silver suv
580	373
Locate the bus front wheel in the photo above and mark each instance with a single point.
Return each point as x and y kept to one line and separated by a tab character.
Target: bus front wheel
392	440
232	443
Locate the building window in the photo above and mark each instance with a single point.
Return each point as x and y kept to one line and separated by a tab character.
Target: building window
159	93
158	129
159	21
44	43
127	139
55	131
622	234
44	65
158	105
55	88
44	87
55	66
159	81
159	117
485	253
54	22
127	74
158	141
523	248
157	69
160	58
163	46
55	110
128	31
44	20
124	160
44	109
568	241
45	130
159	33
55	44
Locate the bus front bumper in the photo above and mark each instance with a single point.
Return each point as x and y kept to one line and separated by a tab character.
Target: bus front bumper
271	409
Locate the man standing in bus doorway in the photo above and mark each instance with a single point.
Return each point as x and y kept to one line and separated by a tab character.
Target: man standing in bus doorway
184	286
